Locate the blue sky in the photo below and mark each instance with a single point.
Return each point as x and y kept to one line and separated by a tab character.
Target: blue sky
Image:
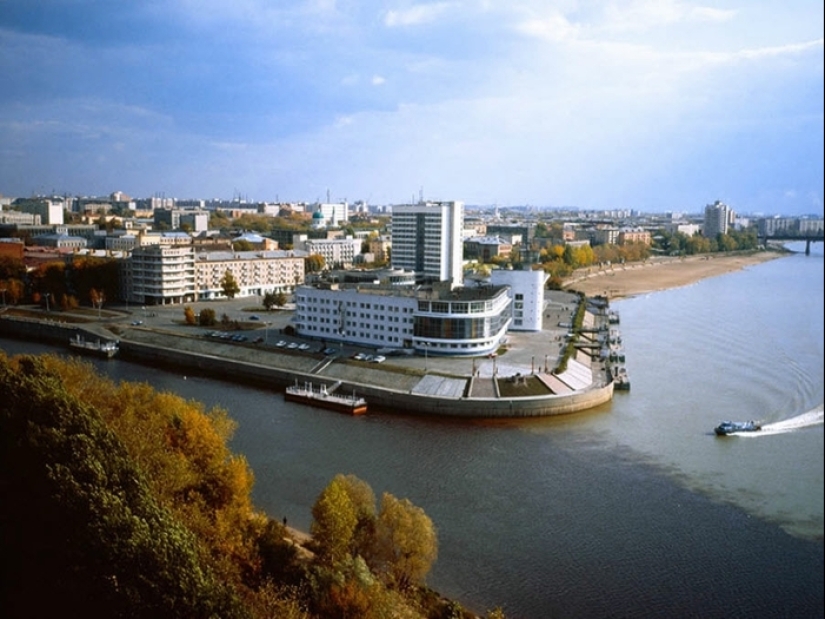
651	104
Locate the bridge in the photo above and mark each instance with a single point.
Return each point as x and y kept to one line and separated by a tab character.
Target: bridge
814	236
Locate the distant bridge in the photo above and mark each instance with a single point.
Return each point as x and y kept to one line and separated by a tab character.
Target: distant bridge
817	236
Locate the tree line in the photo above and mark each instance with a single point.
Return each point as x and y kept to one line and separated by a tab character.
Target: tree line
122	501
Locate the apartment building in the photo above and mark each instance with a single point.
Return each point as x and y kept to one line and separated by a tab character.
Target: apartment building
160	275
255	272
718	217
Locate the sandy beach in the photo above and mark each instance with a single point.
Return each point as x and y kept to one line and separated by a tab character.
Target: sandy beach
617	281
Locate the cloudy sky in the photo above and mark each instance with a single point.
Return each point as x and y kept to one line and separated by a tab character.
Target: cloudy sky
650	104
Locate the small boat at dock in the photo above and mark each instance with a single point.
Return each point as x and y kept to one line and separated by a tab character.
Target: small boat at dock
323	397
100	348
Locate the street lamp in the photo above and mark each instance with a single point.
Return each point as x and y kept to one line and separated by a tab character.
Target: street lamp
46	294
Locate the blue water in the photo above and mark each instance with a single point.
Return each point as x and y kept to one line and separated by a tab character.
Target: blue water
634	509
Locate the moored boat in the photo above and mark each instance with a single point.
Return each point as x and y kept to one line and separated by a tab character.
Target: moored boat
323	398
731	427
101	348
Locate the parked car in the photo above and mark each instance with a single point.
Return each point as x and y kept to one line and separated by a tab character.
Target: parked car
359	356
254	317
280	343
330	351
292	345
303	346
379	359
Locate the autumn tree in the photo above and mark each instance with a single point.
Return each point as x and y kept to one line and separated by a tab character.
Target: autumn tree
406	544
314	263
334	519
189	315
229	286
82	534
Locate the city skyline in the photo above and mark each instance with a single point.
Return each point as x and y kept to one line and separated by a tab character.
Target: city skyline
647	105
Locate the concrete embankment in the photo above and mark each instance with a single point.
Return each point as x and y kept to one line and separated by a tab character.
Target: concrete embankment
387	388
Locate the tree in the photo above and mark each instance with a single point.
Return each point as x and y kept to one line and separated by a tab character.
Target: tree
82	534
189	315
229	285
406	545
314	263
206	318
334	519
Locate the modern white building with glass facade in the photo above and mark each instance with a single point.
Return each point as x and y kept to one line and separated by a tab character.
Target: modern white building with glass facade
437	319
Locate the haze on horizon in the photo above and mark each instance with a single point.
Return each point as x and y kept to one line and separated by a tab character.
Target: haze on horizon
654	105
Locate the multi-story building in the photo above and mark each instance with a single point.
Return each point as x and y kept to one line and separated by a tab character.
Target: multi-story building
50	211
337	253
718	217
160	275
427	239
634	235
255	272
485	248
437	320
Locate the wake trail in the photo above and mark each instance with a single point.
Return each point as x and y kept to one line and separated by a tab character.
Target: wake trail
813	417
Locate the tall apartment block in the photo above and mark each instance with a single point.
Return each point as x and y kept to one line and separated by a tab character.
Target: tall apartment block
427	239
718	217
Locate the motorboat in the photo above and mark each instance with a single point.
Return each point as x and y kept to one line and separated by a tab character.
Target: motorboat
732	427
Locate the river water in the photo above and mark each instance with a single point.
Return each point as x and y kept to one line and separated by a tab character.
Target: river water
634	509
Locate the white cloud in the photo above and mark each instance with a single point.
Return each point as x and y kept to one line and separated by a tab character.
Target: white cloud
415	15
377	80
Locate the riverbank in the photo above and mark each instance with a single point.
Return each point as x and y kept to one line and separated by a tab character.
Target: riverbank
634	279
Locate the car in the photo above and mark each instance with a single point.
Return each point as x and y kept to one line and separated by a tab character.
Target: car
292	345
329	351
303	346
359	356
366	358
136	323
379	359
280	344
254	317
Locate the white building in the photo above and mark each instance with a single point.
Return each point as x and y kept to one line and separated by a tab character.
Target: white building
427	239
438	320
526	289
50	211
337	253
255	272
161	275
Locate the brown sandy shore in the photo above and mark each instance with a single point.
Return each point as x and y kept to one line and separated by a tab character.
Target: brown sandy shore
633	279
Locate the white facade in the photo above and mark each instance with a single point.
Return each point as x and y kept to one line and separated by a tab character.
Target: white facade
427	239
337	253
526	289
161	274
255	272
459	322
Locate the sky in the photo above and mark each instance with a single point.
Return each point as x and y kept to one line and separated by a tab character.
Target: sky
655	105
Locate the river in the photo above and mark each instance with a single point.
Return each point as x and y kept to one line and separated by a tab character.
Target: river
634	509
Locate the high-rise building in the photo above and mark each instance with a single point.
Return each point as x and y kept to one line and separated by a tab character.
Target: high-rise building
426	238
718	217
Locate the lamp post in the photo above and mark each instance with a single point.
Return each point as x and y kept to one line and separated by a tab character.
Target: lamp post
425	355
46	294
